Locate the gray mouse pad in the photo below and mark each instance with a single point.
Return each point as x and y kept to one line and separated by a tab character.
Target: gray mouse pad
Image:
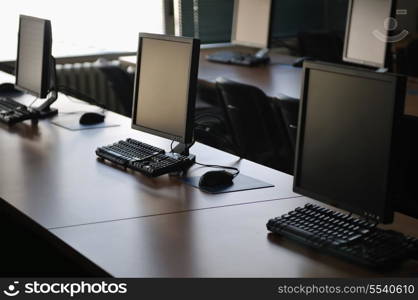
71	122
241	183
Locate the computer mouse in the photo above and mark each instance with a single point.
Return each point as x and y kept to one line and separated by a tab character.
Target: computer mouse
7	87
298	63
91	118
216	178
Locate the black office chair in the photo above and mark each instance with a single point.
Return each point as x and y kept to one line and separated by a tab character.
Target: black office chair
289	109
211	127
286	117
258	132
122	83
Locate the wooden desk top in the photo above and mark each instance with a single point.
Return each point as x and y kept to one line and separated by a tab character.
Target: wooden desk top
52	175
223	242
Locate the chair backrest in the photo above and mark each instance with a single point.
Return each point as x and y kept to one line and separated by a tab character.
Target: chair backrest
285	131
207	94
211	126
289	108
122	84
257	131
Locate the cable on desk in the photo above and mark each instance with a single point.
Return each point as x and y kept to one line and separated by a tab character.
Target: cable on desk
210	165
33	102
220	167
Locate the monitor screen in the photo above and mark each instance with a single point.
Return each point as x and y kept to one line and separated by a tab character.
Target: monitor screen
33	54
251	25
347	125
165	86
367	32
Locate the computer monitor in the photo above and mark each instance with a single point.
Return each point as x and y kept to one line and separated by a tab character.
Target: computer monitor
35	66
165	87
367	31
347	138
251	23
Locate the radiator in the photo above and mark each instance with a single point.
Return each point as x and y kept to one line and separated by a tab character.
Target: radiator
88	80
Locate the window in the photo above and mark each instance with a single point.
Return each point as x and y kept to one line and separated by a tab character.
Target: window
210	20
82	25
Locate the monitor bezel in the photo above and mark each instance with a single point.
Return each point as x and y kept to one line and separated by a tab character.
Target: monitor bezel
249	44
347	36
194	66
46	57
399	87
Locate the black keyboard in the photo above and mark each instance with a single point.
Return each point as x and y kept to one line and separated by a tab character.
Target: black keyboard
236	58
12	112
146	159
345	236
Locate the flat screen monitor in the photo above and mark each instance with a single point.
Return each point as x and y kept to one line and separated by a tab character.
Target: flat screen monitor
251	23
165	86
34	56
346	145
367	30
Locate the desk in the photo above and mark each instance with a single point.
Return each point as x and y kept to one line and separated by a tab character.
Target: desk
129	225
279	77
222	242
58	168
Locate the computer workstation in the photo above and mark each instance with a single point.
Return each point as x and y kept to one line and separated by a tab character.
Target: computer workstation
348	156
141	122
367	38
172	63
35	72
169	62
251	28
36	76
369	31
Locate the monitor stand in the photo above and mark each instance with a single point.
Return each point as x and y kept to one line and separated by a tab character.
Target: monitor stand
45	110
183	149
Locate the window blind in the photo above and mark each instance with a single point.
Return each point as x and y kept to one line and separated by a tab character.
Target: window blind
210	20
